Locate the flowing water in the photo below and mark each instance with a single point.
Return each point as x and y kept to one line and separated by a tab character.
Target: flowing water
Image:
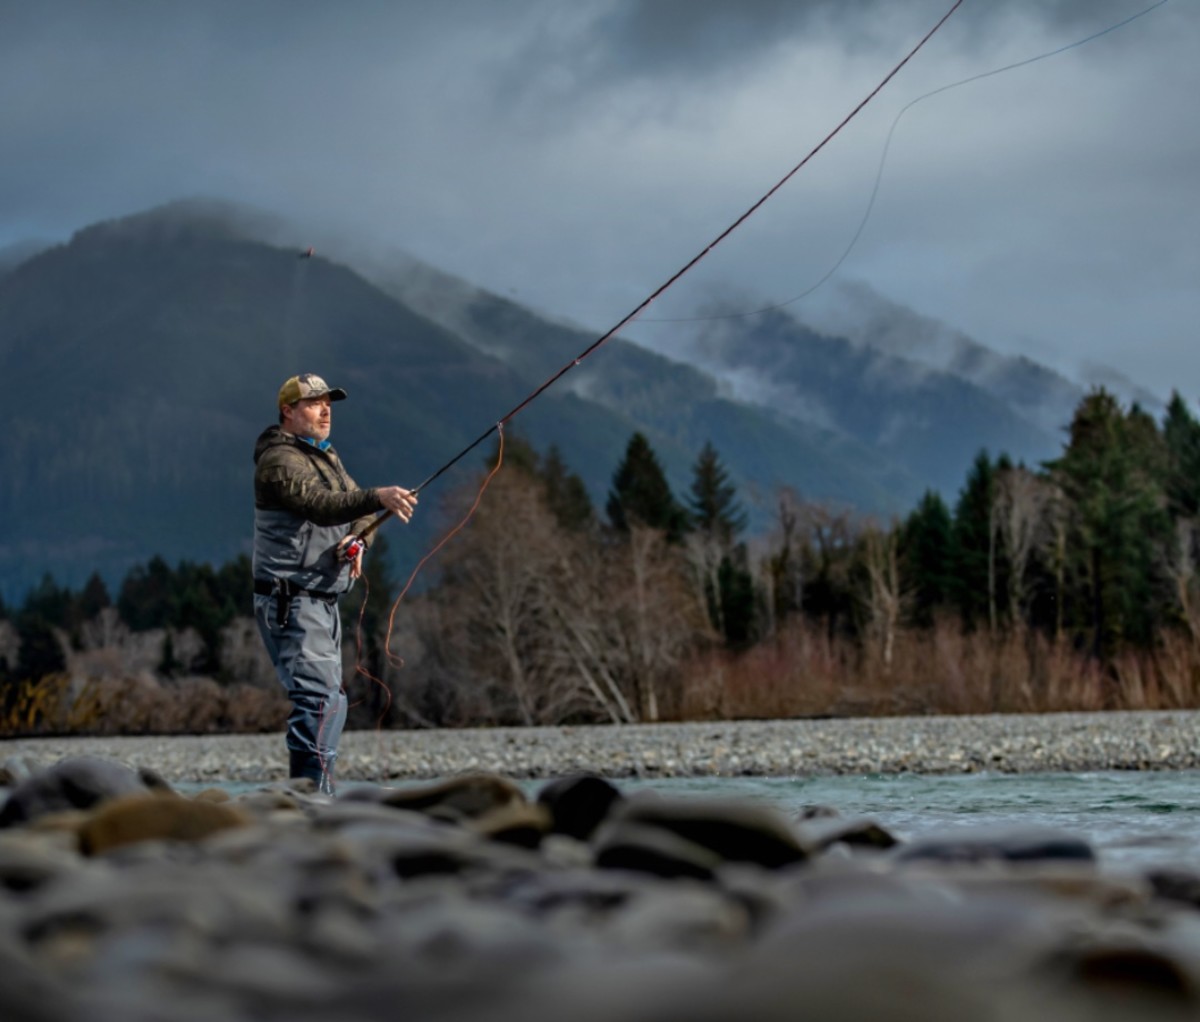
1133	819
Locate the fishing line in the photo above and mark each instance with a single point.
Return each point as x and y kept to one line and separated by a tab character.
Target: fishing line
392	658
879	175
498	429
670	281
498	426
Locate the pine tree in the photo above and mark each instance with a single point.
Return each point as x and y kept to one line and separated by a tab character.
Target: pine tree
1112	473
713	505
519	454
94	598
566	494
1181	434
973	545
925	550
716	519
195	603
144	600
641	495
41	653
51	603
235	585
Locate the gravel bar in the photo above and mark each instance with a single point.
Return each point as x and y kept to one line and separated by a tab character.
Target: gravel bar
1003	743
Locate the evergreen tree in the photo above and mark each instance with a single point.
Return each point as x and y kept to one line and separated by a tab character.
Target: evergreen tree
519	454
825	564
196	603
973	545
713	505
235	586
1112	473
41	653
51	603
566	494
144	601
1181	435
738	599
925	551
641	494
716	519
94	597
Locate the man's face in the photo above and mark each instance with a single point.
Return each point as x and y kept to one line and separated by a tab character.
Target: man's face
310	417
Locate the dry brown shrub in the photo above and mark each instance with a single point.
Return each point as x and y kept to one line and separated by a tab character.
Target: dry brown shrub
191	705
802	671
36	706
1177	662
249	708
143	704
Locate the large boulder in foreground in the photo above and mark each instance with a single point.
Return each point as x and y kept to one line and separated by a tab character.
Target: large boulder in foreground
78	783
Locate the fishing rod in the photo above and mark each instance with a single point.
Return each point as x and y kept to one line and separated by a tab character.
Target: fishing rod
357	544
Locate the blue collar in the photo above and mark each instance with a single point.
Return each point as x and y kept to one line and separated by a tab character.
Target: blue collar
320	445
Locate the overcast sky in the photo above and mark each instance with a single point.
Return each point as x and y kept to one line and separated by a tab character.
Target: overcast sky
572	154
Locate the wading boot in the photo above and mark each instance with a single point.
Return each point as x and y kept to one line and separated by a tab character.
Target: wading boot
305	764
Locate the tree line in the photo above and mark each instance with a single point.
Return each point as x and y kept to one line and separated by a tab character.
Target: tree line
1069	585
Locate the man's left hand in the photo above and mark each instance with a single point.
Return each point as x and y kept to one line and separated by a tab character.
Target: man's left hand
356	564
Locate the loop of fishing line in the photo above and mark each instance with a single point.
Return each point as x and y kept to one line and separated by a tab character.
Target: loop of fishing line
629	318
858	232
394	659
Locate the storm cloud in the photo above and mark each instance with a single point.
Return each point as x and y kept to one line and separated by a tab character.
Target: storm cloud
574	155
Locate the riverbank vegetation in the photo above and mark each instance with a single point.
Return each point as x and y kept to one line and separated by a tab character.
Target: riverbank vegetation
1068	585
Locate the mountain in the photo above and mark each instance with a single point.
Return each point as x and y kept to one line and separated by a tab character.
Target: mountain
144	356
865	318
931	422
12	256
678	406
907	399
143	359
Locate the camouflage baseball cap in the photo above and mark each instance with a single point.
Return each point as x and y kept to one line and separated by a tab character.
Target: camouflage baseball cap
297	388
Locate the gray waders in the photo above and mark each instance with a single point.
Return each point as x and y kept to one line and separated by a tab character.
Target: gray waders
303	635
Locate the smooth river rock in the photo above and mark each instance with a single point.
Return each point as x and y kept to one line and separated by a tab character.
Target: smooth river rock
466	900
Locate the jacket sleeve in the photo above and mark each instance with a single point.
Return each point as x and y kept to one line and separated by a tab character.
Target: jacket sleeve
359	524
287	479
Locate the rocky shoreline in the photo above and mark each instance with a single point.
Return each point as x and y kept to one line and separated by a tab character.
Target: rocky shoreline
472	899
1007	743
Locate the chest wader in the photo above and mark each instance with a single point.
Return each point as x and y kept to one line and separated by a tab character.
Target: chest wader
302	632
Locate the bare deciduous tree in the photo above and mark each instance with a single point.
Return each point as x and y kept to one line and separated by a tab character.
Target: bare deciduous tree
495	577
883	599
1020	521
562	625
1180	568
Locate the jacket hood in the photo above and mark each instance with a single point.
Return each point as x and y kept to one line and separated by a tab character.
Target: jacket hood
272	436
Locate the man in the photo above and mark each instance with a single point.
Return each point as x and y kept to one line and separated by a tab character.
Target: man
306	511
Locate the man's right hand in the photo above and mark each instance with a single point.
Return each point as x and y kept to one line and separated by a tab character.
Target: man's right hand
399	501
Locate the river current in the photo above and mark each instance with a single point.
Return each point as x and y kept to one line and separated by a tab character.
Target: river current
1133	819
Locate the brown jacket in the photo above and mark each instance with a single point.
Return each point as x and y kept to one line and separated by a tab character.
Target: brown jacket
305	503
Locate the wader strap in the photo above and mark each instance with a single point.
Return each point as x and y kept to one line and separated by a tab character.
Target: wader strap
284	591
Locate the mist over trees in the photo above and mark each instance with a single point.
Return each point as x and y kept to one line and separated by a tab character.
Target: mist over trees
1068	585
